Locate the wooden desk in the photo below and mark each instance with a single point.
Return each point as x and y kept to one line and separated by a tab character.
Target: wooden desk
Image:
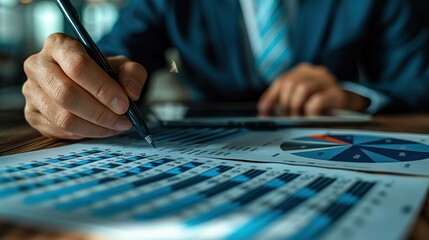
16	137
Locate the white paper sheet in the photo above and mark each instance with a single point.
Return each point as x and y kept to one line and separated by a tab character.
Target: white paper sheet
126	192
346	149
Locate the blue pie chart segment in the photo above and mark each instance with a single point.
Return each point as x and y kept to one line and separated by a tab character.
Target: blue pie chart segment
362	139
400	155
409	147
379	158
352	154
357	148
325	154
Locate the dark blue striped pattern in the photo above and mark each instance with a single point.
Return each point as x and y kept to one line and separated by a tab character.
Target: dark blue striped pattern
265	219
334	212
243	200
194	198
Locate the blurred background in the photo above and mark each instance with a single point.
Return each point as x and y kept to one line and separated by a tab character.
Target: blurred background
24	24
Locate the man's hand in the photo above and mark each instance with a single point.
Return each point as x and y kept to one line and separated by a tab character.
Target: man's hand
308	90
69	96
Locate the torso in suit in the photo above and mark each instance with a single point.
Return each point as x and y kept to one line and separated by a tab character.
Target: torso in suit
378	43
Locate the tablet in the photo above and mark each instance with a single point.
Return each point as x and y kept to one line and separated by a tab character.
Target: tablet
243	115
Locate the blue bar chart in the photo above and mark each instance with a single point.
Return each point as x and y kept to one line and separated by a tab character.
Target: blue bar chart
189	135
133	192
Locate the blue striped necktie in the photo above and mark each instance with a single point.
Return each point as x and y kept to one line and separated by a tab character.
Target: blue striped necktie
272	52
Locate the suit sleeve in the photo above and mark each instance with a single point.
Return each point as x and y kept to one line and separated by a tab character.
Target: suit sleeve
396	60
139	34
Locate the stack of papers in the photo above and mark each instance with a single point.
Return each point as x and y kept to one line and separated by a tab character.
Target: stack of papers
220	183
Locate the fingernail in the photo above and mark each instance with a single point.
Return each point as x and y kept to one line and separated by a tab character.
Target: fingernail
134	88
123	124
119	105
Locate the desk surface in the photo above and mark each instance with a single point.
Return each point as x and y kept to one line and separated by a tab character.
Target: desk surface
17	137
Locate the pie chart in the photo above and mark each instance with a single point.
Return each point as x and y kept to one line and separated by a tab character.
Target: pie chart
356	148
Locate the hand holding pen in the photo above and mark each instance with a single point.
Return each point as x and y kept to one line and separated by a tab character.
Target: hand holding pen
69	96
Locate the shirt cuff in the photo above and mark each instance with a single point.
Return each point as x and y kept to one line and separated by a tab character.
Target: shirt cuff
377	99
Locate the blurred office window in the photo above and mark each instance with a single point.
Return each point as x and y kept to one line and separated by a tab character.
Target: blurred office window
47	20
25	24
99	18
12	27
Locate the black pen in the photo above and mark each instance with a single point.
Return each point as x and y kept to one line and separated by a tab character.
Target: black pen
72	18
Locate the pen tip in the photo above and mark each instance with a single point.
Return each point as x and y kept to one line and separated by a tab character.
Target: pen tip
148	139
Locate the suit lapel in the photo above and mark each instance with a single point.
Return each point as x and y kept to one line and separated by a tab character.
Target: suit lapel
310	28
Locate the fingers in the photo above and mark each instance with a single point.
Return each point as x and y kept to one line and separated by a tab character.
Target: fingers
300	90
69	96
82	70
321	102
38	121
54	121
269	99
334	98
62	94
301	94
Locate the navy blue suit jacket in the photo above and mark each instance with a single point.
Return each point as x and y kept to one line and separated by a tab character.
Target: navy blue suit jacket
378	42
